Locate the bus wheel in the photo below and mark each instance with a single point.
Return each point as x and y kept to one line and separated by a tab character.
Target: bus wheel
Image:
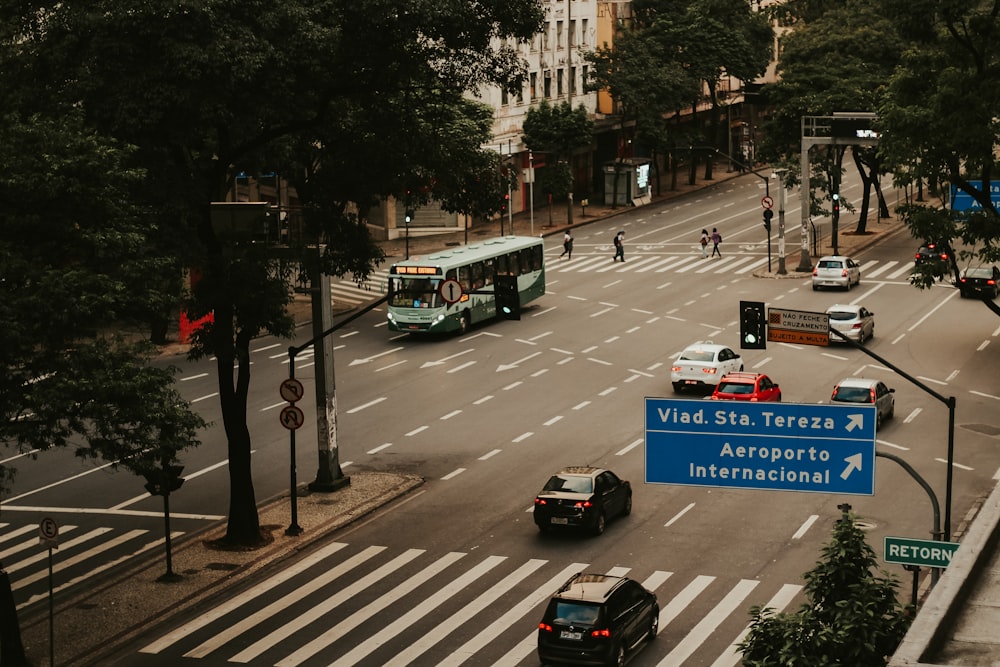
464	322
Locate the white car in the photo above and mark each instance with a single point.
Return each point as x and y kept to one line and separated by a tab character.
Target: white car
836	271
703	364
854	321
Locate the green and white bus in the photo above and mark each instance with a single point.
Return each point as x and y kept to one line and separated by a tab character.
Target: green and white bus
453	289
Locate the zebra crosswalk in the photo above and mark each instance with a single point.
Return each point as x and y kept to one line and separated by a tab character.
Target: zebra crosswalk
78	558
348	293
370	605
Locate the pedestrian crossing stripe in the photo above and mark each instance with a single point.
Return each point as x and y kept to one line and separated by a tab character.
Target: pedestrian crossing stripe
221	626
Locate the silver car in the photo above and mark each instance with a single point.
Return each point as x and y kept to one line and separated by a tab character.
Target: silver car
867	391
836	271
854	321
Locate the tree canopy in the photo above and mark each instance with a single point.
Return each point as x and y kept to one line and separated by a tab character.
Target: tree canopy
350	101
851	617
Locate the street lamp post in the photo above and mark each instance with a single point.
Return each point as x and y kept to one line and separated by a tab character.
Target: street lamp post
780	173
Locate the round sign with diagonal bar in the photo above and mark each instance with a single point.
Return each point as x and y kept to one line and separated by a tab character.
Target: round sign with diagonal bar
767	202
291	390
292	417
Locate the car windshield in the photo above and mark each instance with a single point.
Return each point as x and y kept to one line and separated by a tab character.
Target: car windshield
697	355
853	394
574	613
570	484
735	388
842	315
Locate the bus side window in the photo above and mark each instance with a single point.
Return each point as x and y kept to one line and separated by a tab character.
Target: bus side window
465	277
477	275
488	271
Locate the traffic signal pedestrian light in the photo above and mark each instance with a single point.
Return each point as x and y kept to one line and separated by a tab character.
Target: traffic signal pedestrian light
768	214
753	325
161	481
836	204
508	299
409	215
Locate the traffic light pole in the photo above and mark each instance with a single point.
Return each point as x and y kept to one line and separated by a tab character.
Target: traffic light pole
949	401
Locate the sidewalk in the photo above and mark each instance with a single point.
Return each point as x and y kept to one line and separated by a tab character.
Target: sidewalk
93	625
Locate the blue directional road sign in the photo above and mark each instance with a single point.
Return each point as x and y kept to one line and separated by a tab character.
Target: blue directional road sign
774	446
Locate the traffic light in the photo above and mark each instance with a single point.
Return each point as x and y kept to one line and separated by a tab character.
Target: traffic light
506	296
836	204
409	215
768	214
753	326
504	203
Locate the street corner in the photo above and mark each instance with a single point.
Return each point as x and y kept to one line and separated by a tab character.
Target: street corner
789	273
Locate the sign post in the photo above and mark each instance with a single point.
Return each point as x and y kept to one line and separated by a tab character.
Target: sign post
769	446
292	418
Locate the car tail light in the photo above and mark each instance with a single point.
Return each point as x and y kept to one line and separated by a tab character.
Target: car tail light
843	273
944	256
990	282
600	633
963	280
675	369
540	501
857	325
584	504
816	271
545	627
916	255
871	394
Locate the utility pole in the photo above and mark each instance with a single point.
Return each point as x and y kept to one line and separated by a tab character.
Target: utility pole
780	173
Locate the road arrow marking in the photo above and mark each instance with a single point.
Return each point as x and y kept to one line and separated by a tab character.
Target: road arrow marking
507	367
853	463
368	360
428	364
855	421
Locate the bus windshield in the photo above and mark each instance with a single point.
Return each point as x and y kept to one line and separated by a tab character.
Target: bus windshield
414	293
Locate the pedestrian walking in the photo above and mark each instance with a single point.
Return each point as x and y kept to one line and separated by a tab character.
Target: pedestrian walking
567	245
704	244
619	246
716	240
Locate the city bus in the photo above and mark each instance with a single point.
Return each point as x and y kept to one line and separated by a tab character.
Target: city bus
453	289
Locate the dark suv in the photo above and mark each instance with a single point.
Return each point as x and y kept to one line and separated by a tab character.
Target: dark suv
597	619
932	251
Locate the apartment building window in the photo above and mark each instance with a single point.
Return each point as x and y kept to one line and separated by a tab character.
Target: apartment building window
572	81
504	97
559	82
545	37
547	90
533	86
572	38
559	35
586	75
583	32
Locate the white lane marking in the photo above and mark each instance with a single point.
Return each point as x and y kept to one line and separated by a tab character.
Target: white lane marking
804	528
678	515
700	633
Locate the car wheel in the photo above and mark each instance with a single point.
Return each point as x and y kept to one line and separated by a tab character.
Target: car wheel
678	387
544	527
878	421
654	624
600	523
861	337
815	288
628	505
619	659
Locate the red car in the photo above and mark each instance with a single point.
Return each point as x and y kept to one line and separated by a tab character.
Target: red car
747	387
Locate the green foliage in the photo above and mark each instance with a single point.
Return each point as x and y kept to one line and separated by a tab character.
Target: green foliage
76	261
557	130
851	619
939	118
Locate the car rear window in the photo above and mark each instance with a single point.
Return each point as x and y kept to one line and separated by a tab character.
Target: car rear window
830	264
842	315
697	355
736	388
575	613
570	483
853	394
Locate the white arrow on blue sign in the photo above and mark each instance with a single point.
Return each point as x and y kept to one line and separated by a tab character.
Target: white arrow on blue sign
773	446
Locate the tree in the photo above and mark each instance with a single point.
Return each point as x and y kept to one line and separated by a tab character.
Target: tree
837	58
342	97
939	123
558	130
851	618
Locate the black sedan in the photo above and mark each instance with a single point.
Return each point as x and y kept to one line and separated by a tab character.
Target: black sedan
582	497
981	282
932	251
